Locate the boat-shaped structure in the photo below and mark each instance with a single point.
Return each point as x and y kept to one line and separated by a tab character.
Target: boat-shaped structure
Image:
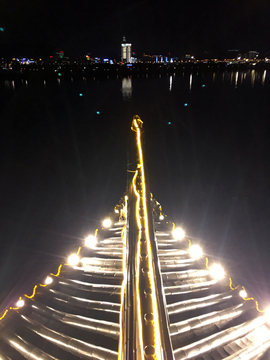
138	288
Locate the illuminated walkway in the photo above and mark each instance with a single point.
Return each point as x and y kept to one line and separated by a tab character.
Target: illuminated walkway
136	289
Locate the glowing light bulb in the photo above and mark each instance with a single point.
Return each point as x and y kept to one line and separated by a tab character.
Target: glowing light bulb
73	259
91	241
243	293
217	272
48	280
195	251
116	211
20	303
179	234
161	217
107	223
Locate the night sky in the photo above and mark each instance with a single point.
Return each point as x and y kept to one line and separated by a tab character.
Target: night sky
77	27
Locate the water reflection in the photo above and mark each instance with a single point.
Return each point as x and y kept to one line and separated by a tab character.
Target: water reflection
190	82
127	88
263	77
170	87
252	77
236	79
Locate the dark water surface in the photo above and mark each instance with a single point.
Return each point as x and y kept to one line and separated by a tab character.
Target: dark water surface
63	166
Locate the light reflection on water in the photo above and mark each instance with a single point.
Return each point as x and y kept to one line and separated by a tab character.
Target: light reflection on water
127	88
237	79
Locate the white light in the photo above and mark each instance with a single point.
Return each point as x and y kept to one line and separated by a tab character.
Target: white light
107	223
243	293
91	241
48	280
217	272
267	315
116	211
179	234
195	251
161	217
73	259
20	303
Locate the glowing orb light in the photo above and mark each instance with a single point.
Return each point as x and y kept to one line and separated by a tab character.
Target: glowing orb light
20	303
243	293
179	234
161	217
107	223
91	241
195	251
48	280
217	272
73	259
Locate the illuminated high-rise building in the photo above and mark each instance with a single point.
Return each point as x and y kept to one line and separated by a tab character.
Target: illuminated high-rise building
125	51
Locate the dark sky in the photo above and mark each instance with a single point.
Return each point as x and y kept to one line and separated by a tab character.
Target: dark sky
77	27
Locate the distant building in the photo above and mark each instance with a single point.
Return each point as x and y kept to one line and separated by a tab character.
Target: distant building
253	54
125	51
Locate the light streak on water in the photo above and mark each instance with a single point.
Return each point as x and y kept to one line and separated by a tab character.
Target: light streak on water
236	79
263	77
190	82
252	77
170	87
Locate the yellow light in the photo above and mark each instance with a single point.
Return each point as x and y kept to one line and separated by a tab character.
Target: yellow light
161	217
91	241
195	251
216	271
20	303
179	234
107	223
73	259
48	280
149	250
243	293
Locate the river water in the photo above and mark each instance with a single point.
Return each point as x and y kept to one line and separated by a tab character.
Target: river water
64	159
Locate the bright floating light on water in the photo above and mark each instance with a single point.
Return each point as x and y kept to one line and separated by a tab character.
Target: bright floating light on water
90	241
243	293
48	280
179	234
107	223
195	251
73	259
20	303
217	271
161	217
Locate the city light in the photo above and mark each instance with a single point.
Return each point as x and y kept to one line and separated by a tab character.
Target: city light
73	259
195	251
90	241
161	217
216	271
48	280
179	234
107	223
